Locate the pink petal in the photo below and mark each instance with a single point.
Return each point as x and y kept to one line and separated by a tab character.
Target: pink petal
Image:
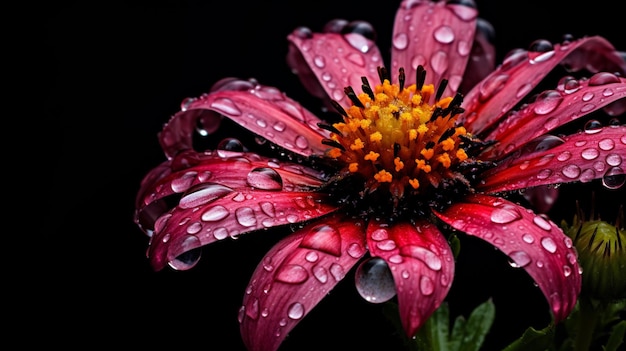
422	265
482	60
232	169
294	276
582	157
261	109
521	71
337	60
213	212
437	35
531	241
553	109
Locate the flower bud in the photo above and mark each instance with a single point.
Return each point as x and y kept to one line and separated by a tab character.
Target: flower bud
602	256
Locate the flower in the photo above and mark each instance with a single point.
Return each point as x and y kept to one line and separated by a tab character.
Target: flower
436	147
600	245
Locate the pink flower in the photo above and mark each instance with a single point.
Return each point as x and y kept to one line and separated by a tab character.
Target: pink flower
432	146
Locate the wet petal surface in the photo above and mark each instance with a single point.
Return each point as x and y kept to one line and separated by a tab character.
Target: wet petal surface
214	212
587	155
531	241
421	263
294	276
442	47
522	70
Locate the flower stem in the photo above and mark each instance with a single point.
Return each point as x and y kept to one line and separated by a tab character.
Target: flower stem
587	320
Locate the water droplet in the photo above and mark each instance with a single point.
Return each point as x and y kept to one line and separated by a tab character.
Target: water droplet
320	273
428	257
374	281
571	171
528	238
400	41
590	154
191	253
252	310
215	213
548	244
356	250
439	62
202	194
427	287
324	238
567	271
386	245
337	271
505	215
246	216
312	256
296	311
542	223
614	178
292	274
592	126
302	142
564	156
265	178
444	34
380	234
226	107
520	259
547	102
606	144
613	160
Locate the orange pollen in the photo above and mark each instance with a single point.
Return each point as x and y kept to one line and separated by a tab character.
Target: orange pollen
404	136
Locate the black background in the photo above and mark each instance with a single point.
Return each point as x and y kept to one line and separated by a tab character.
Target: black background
112	72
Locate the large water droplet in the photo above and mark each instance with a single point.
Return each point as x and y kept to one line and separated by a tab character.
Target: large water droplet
265	178
614	178
520	259
191	246
292	274
374	281
324	238
295	311
548	244
505	215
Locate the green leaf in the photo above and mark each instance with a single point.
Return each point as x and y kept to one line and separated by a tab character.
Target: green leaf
533	340
478	325
617	337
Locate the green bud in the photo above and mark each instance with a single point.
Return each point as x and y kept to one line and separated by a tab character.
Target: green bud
601	250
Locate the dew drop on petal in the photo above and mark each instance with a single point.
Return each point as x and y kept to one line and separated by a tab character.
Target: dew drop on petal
548	244
428	257
265	178
590	154
571	171
444	34
567	271
226	107
215	213
614	178
337	271
505	215
296	311
427	287
520	259
191	246
292	274
374	281
528	238
547	102
246	216
320	273
542	223
592	126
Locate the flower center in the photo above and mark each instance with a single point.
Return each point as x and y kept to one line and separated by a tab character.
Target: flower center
402	139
